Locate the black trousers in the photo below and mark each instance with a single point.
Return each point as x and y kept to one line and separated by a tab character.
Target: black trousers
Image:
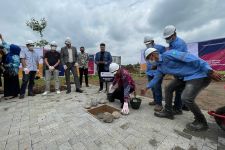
100	80
27	78
83	71
119	94
11	85
190	92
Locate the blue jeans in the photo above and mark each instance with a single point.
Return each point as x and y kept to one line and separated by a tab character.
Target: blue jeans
156	91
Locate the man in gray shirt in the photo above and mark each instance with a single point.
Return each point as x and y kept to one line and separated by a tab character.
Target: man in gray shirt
69	59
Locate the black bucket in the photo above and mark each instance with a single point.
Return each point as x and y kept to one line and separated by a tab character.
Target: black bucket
110	98
135	103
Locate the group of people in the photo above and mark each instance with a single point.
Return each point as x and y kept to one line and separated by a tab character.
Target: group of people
11	56
191	74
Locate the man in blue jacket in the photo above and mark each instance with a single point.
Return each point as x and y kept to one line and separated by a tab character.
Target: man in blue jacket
150	72
196	73
177	84
102	59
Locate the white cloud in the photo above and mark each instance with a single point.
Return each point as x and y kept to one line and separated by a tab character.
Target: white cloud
121	24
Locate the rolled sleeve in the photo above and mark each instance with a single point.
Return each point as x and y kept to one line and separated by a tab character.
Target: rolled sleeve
22	54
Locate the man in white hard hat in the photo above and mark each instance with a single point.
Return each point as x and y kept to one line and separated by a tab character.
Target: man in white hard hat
69	59
177	84
30	63
150	72
196	73
125	86
52	61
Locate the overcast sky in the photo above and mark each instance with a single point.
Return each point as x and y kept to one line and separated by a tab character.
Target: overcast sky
121	24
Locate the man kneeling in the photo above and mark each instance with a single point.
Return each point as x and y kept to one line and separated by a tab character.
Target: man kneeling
123	85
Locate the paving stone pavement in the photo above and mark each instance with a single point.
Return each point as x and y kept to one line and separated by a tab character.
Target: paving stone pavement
59	122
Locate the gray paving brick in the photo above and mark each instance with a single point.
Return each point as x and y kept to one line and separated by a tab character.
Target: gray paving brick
44	123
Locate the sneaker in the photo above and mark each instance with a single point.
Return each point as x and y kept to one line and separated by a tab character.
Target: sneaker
58	92
45	93
185	108
31	94
68	91
79	91
100	90
164	114
197	126
21	96
177	111
158	107
152	103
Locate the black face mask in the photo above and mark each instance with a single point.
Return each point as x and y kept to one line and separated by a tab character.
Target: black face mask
68	45
81	51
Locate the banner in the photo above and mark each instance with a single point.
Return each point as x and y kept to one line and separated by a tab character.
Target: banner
193	48
143	62
91	64
213	51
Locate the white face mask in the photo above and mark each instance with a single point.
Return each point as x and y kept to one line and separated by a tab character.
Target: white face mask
153	62
31	48
53	47
150	45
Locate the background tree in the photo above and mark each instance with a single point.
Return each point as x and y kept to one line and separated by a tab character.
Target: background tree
38	26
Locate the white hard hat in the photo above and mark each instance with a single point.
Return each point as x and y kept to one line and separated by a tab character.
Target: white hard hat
149	51
68	40
29	42
53	43
148	39
113	67
168	31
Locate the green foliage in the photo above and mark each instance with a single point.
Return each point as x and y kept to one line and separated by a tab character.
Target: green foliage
41	43
37	26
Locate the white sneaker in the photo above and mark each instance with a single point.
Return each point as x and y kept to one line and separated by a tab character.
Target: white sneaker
45	93
57	92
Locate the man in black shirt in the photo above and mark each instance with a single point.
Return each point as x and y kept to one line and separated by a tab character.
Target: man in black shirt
102	59
52	60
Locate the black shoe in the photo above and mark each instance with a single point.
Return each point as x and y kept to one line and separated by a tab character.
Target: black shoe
68	91
87	86
177	111
197	126
31	94
100	90
79	91
164	114
185	108
21	96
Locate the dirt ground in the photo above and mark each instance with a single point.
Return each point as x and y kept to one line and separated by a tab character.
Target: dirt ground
209	99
